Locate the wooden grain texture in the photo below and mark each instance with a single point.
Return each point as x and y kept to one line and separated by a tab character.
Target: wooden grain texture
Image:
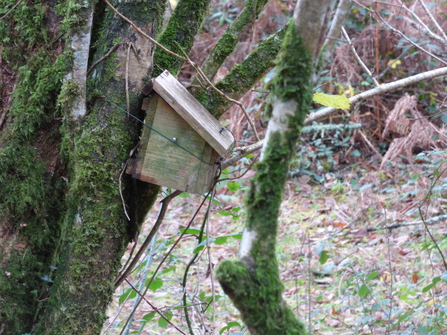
183	102
161	162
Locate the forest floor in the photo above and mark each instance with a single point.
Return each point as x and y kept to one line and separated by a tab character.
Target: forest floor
344	272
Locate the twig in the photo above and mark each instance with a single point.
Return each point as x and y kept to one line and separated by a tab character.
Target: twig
244	151
127	78
356	55
240	176
365	138
444	36
204	77
121	191
164	203
3	118
412	223
173	246
13	7
409	40
422	26
143	33
89	72
154	308
379	90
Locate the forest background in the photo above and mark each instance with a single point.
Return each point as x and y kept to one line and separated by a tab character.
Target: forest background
362	225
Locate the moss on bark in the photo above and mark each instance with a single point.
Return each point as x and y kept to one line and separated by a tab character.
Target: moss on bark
227	43
96	148
253	283
243	76
65	243
179	35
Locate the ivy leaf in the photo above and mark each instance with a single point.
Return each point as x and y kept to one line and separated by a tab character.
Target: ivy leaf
336	101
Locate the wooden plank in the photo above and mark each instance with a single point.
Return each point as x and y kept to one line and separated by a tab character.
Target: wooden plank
178	97
164	163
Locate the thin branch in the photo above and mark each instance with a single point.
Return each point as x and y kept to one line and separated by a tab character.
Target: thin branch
164	205
13	7
89	72
127	78
380	90
412	223
121	191
409	40
422	25
154	308
244	151
365	68
208	81
444	36
336	25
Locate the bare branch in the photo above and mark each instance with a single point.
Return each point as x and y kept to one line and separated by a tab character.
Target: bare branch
336	25
444	36
365	68
380	90
409	40
89	72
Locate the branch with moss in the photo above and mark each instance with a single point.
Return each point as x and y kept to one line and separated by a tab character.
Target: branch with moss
243	76
253	281
227	43
179	34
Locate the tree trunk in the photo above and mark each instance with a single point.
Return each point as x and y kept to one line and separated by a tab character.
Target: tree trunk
253	281
64	227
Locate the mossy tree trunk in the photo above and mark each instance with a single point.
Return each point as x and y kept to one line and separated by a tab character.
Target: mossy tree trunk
64	229
253	281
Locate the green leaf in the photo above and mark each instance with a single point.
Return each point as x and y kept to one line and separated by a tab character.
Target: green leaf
364	290
128	294
372	275
192	231
172	268
156	284
433	283
148	317
162	322
221	240
225	213
184	195
336	101
323	257
234	186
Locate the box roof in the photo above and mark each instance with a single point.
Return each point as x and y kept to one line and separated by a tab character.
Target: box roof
192	111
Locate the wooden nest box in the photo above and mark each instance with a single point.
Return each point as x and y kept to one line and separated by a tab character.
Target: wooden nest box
181	141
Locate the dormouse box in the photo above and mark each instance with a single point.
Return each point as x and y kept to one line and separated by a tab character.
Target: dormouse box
182	141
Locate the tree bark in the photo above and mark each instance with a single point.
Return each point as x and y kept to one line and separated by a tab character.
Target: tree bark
253	281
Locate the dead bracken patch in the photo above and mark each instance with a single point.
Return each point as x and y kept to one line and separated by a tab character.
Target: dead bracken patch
415	130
